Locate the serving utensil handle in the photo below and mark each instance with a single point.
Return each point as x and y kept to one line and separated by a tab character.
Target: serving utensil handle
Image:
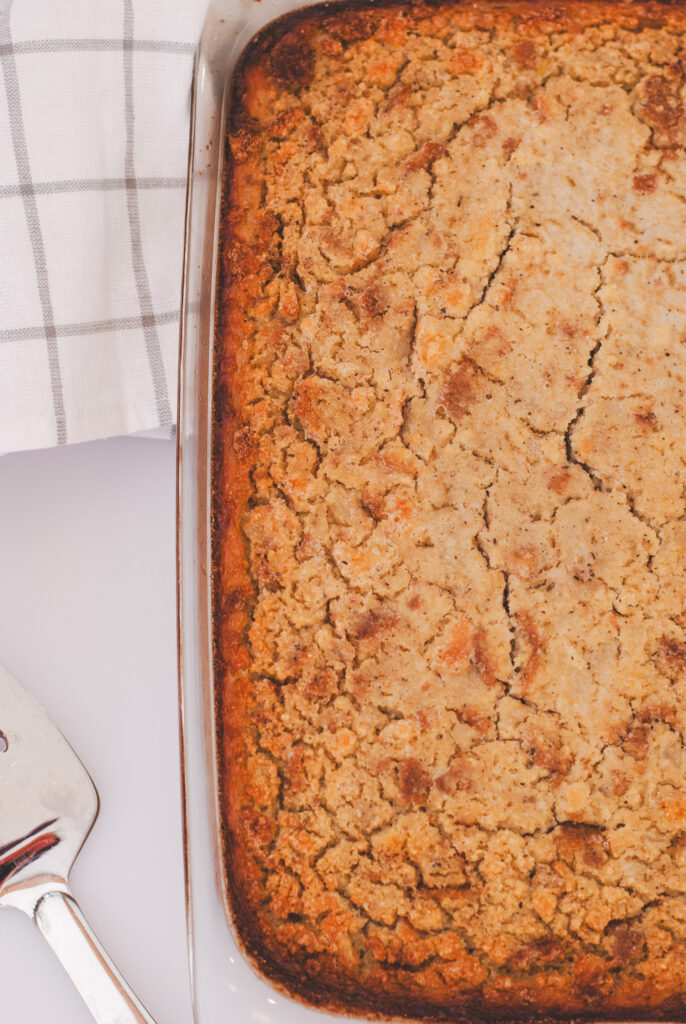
103	990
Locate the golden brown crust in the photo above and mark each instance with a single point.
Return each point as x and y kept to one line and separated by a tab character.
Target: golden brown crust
448	515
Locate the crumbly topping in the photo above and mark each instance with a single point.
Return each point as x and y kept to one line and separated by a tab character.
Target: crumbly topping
452	587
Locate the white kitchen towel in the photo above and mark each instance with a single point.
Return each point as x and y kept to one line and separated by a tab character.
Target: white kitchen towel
94	122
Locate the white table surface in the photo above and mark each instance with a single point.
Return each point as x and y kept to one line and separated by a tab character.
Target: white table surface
87	623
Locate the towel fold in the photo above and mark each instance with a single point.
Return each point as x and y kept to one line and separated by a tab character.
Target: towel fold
94	120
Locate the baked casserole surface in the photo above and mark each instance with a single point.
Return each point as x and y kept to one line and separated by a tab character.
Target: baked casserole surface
449	534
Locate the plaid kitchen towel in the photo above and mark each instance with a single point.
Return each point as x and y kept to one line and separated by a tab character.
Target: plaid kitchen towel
94	115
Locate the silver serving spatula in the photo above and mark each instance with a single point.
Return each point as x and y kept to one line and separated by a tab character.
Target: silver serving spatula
48	804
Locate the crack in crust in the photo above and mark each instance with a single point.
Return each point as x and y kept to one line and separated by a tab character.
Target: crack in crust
448	511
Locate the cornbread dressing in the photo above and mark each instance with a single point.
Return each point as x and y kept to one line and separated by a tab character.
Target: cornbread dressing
449	534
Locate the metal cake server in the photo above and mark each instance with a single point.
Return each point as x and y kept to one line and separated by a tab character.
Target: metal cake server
48	804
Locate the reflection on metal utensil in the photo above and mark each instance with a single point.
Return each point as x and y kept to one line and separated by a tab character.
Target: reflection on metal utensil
48	805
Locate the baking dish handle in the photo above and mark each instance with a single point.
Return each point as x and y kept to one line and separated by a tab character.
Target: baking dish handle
99	984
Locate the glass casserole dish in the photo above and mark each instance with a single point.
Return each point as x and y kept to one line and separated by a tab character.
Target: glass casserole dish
578	833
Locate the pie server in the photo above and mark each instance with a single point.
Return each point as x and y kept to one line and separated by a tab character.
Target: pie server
48	804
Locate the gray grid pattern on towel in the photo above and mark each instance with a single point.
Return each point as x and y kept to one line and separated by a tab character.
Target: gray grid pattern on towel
93	150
